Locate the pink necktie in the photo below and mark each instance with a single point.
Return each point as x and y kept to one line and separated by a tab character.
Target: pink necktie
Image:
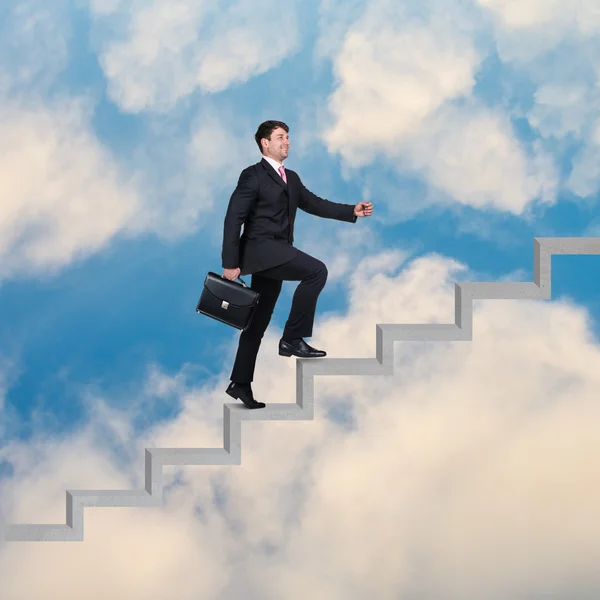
282	172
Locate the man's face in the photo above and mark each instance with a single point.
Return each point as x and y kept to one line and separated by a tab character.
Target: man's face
278	147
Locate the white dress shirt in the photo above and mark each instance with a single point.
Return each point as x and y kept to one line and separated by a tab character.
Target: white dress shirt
274	164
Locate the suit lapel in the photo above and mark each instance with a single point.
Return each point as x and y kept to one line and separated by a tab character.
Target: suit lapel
275	177
292	200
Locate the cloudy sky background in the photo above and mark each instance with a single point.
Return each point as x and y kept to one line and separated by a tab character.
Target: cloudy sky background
472	125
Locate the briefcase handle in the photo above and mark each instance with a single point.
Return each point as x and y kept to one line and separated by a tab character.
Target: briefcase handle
243	282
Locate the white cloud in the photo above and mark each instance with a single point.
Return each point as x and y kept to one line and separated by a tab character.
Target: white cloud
34	41
168	51
404	97
471	473
570	110
583	15
391	77
183	178
585	176
526	30
473	155
556	44
561	110
64	197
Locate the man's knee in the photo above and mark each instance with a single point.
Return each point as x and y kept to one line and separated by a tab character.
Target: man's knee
321	271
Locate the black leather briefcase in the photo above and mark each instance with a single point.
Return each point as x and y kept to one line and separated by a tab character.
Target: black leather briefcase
228	301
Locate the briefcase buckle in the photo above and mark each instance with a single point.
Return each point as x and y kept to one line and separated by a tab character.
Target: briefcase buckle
224	304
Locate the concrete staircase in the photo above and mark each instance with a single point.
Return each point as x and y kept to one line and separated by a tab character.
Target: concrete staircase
303	408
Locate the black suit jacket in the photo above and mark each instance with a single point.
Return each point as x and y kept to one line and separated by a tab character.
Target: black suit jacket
266	205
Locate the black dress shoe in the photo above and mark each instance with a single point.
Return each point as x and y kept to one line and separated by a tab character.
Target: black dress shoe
299	348
243	393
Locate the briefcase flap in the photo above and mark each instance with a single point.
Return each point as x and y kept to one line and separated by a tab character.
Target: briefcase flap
233	293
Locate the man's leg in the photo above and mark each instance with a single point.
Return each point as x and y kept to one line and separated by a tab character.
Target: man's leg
249	344
312	274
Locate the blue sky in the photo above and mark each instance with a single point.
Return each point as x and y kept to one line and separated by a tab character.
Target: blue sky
472	125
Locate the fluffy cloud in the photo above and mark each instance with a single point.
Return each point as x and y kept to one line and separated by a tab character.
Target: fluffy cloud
404	96
472	155
34	41
585	177
64	196
567	114
470	473
556	44
168	51
580	15
392	75
183	178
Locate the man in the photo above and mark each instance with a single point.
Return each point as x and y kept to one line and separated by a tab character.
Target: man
265	201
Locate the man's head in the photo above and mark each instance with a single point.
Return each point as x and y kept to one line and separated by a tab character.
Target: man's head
273	140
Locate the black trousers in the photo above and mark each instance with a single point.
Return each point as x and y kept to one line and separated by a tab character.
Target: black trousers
312	274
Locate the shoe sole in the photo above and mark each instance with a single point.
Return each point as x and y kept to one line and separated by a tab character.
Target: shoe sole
299	355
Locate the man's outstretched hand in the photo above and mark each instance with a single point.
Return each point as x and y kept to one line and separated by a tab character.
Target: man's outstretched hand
363	209
232	274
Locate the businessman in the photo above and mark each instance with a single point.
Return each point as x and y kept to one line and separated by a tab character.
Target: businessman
265	201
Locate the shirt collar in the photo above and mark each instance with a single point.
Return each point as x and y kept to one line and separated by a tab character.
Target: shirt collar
275	164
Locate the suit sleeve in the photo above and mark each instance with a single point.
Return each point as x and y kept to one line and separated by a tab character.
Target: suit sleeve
326	209
240	205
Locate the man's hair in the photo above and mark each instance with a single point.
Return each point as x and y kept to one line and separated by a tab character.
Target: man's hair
266	129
